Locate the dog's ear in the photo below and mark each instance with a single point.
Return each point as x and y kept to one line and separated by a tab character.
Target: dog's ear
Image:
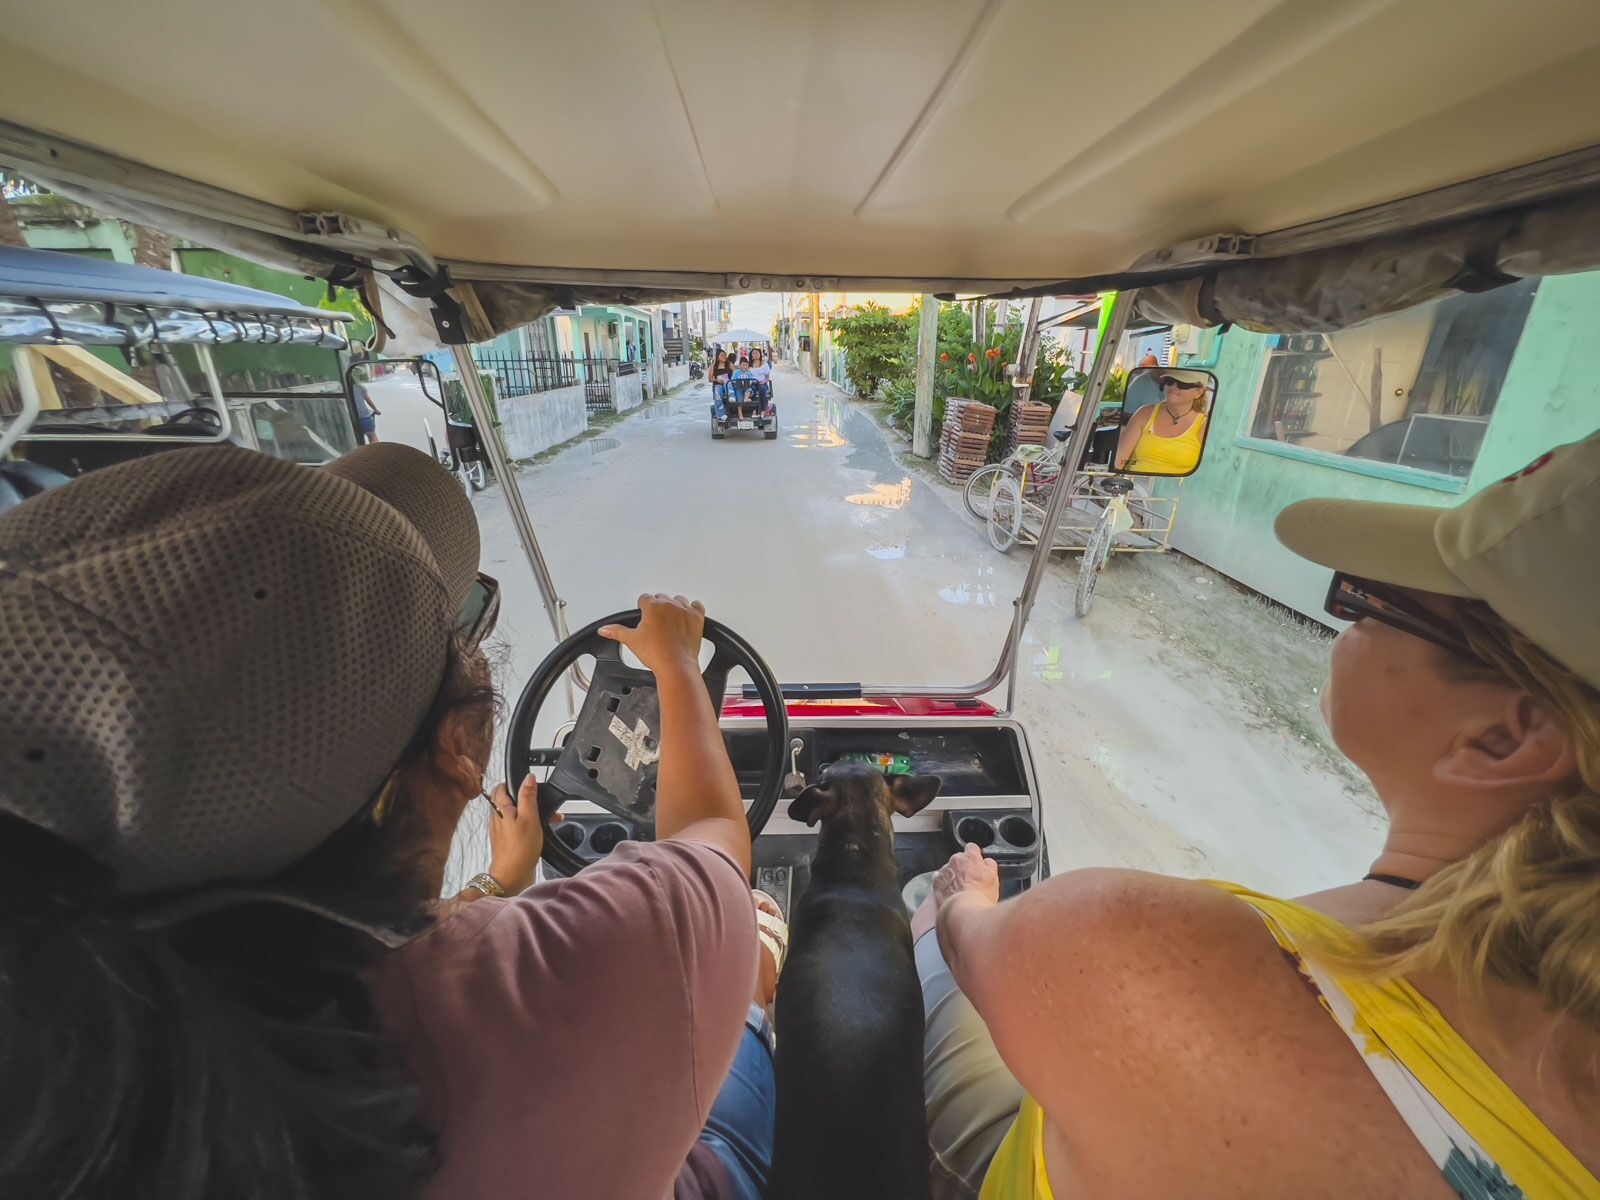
910	794
814	804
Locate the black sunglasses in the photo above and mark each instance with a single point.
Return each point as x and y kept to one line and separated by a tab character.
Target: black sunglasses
1351	598
1167	381
479	610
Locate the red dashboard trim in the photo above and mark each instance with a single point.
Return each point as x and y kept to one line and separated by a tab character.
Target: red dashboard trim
884	706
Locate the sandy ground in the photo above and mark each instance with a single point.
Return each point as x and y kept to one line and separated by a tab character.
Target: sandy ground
1175	729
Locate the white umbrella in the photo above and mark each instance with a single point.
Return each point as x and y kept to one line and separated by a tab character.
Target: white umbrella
741	336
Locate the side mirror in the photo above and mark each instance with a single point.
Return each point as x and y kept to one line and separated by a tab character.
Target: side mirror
1166	418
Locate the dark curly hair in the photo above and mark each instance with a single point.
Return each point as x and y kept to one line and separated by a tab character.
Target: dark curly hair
233	1055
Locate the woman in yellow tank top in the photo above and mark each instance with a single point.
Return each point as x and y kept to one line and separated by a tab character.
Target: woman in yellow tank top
1166	438
1432	1030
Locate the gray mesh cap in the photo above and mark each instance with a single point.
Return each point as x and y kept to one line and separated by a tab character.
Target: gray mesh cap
211	659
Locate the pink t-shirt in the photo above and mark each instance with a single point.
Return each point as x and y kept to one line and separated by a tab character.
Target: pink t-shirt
569	1041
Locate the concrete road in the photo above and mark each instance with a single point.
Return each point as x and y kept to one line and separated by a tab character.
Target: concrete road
1156	745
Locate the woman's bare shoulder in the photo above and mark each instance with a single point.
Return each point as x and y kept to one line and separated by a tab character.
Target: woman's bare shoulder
1150	960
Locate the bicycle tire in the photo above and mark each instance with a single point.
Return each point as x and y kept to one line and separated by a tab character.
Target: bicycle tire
978	495
1005	514
1092	563
476	475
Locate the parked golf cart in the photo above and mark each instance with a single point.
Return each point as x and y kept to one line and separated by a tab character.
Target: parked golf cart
111	362
1317	223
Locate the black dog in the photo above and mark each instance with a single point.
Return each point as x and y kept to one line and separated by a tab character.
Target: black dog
850	1119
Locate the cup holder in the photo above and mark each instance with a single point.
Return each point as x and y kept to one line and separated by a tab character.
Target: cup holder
570	834
1010	839
1019	831
603	839
975	830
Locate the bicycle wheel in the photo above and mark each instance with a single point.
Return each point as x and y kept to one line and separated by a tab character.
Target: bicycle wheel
979	492
1093	562
475	474
1005	514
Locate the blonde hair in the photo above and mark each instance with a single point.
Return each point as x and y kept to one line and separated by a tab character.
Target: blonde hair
1524	908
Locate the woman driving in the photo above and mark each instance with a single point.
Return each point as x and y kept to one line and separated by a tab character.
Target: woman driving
721	373
1430	1030
1166	438
244	708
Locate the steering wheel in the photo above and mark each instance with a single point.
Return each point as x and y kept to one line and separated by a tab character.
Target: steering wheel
610	756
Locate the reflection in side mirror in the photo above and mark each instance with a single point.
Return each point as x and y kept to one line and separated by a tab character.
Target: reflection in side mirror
1166	417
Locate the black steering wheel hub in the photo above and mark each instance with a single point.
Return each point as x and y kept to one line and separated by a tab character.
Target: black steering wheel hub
612	755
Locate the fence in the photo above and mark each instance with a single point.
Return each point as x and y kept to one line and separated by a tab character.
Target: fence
516	375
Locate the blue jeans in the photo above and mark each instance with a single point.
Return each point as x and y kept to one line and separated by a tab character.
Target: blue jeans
739	1127
719	393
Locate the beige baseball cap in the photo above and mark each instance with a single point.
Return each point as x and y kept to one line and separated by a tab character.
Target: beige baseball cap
1526	545
211	659
1184	375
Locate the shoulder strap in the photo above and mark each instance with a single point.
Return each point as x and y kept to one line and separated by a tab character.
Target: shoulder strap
1455	1104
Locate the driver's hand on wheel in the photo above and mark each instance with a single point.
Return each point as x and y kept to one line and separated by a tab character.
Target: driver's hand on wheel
668	635
516	838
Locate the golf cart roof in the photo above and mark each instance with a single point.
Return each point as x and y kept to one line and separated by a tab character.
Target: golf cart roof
47	297
741	336
51	275
555	154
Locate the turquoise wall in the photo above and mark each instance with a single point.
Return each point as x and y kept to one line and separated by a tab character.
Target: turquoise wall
1550	396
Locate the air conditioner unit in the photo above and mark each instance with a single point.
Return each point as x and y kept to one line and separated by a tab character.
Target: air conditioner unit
611	329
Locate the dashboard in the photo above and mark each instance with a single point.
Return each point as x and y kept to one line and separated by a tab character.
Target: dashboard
988	795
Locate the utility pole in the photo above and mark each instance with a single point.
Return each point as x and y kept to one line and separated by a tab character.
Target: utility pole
1027	354
816	334
927	348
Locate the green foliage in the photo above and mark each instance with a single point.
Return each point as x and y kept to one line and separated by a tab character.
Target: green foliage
1116	388
881	359
874	341
455	398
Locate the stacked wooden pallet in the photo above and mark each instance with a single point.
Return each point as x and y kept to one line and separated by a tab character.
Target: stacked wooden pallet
964	442
1030	424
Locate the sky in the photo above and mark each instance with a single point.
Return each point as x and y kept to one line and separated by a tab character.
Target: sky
756	312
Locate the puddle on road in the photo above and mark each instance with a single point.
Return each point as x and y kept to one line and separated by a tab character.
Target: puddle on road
980	595
824	431
887	552
600	445
884	495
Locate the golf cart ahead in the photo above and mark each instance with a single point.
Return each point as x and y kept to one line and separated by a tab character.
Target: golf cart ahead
743	402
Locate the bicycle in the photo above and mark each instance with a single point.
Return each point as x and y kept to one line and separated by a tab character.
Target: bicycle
1103	513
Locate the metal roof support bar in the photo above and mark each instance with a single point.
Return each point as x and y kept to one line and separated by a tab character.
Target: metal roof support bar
62	159
478	401
1547	179
1083	427
24	361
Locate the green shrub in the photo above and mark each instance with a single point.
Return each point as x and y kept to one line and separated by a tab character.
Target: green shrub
874	342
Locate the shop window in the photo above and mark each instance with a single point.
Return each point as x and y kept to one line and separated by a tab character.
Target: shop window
1415	389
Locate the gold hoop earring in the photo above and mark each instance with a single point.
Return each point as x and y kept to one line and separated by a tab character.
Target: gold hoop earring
380	810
